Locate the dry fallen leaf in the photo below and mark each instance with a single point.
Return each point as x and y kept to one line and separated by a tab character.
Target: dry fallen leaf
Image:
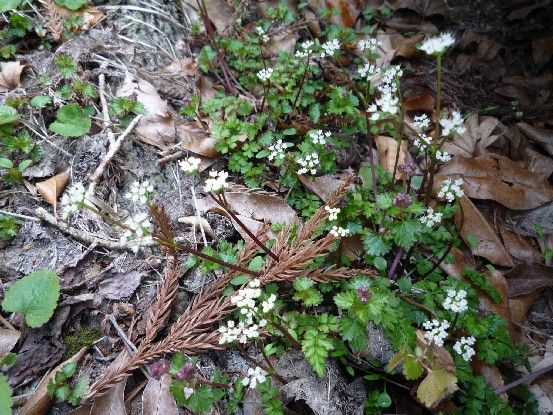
40	401
425	101
157	398
10	75
194	137
184	66
157	127
481	133
480	55
50	189
201	223
529	278
322	186
491	375
388	151
461	260
436	386
282	41
489	245
345	12
8	340
219	12
543	138
498	178
542	51
519	247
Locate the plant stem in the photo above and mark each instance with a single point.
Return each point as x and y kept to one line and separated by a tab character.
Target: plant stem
395	263
224	204
302	80
371	156
284	330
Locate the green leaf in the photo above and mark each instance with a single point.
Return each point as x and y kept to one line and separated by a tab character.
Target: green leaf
256	264
5	163
345	300
79	390
473	241
375	245
71	121
315	112
412	369
384	400
72	4
5	396
354	332
9	5
380	263
239	280
24	164
303	283
62	393
8	360
8	114
35	295
315	346
40	101
69	369
406	233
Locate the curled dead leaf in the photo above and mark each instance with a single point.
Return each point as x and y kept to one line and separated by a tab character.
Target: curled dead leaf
388	151
8	340
472	222
498	178
157	398
543	138
322	186
529	278
10	75
519	247
50	189
195	137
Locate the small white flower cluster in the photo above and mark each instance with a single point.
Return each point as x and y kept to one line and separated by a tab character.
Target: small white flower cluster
422	141
139	192
254	377
308	163
73	200
464	348
431	218
216	182
332	212
265	74
451	190
456	301
388	102
452	125
436	331
263	36
139	231
305	49
330	47
319	137
245	301
368	71
190	165
437	45
370	44
443	156
338	231
422	122
188	392
277	150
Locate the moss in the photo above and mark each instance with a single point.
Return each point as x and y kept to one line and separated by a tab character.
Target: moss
80	338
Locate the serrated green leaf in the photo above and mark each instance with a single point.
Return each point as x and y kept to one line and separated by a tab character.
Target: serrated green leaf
5	396
78	391
8	114
303	283
256	264
239	280
6	5
40	101
315	347
412	369
354	332
5	163
62	393
315	112
345	300
375	245
35	295
380	263
405	234
72	4
71	121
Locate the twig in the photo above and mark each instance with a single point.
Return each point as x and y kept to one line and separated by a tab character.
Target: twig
83	236
7	323
195	201
19	215
528	378
112	151
106	123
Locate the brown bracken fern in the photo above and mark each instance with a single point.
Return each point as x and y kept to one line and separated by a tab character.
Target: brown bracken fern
195	330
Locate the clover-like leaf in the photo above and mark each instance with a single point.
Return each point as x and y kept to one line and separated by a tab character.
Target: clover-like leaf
9	5
8	114
71	121
35	295
72	4
5	396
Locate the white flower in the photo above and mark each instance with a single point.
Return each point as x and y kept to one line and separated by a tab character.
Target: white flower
453	125
308	163
265	74
73	200
464	347
190	165
368	71
388	102
370	44
431	218
443	156
268	305
437	45
456	301
138	232
263	36
330	47
422	122
422	141
450	190
305	49
338	231
139	192
332	212
436	331
254	377
216	182
188	392
319	137
277	150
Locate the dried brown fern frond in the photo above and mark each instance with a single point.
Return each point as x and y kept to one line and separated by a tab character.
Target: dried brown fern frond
54	16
